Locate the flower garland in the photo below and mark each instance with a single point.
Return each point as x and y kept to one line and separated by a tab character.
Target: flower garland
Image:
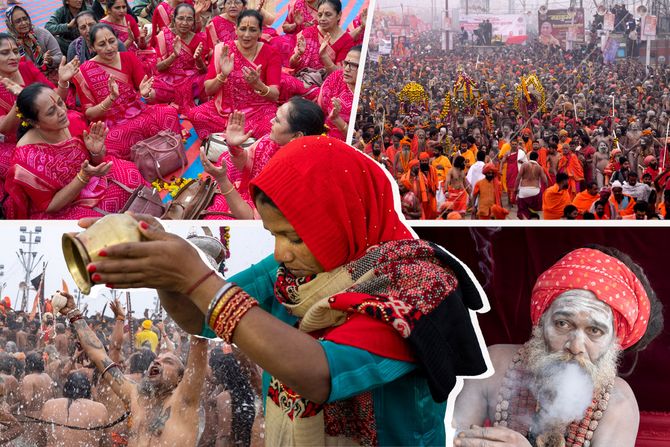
532	100
413	92
466	93
173	186
446	108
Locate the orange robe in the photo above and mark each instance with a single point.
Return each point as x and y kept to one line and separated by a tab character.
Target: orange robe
625	208
554	202
584	200
573	167
490	193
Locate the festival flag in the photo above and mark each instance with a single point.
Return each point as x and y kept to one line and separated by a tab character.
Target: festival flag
31	317
64	288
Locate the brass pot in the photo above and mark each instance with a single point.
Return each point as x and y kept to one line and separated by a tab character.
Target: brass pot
80	249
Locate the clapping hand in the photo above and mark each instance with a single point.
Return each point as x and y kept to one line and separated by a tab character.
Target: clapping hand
113	88
96	171
95	138
176	46
335	111
48	58
220	173
66	71
251	75
227	61
235	135
145	86
198	52
12	86
301	45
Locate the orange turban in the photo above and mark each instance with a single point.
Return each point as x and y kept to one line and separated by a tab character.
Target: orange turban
609	279
424	156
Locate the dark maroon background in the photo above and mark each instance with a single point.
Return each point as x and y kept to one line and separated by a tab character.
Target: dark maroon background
507	261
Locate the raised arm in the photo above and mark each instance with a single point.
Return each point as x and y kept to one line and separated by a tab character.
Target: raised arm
95	351
116	340
190	387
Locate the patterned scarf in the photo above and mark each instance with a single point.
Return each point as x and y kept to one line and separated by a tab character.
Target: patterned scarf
28	45
395	283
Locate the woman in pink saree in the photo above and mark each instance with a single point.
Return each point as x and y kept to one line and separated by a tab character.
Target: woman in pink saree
181	70
110	86
324	46
57	176
222	28
126	29
337	95
235	169
15	75
242	76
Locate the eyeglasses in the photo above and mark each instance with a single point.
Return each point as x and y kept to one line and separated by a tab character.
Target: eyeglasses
349	65
184	19
233	2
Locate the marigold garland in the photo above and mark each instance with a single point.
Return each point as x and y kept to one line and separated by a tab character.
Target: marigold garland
413	92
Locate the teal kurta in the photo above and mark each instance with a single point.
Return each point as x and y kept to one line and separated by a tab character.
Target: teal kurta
405	412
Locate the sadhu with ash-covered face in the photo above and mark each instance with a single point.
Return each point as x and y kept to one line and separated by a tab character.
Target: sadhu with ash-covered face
561	387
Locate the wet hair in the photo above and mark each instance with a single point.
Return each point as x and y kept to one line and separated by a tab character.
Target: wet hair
7	36
623	159
336	4
26	105
34	362
6	363
77	386
250	13
305	116
227	372
110	3
84	13
655	324
139	362
94	32
459	162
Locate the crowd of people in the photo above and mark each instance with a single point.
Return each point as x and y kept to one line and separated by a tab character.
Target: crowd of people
522	131
78	94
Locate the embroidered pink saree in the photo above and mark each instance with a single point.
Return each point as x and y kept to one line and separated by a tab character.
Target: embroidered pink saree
129	119
237	94
259	155
182	82
40	171
335	87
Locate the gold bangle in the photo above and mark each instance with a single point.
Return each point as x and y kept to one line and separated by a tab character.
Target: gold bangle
67	86
229	191
218	78
81	178
267	92
105	107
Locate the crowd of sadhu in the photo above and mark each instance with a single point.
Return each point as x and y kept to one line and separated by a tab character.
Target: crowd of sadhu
76	95
526	131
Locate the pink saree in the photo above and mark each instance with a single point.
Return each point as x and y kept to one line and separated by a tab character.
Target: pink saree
146	56
182	82
31	75
237	94
129	119
219	30
259	155
336	50
335	87
40	171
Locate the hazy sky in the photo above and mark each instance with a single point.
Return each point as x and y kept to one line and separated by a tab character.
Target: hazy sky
249	243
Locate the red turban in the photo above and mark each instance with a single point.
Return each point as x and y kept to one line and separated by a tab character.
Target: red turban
489	167
609	279
424	156
338	199
398	130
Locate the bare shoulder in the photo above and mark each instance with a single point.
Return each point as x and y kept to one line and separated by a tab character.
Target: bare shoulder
502	355
620	421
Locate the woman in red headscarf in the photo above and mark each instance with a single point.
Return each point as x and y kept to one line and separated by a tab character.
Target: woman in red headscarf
370	309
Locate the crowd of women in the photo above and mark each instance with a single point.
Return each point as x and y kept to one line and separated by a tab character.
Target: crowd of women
76	95
473	111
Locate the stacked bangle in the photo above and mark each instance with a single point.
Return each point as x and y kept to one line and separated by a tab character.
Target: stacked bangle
81	178
226	311
221	78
